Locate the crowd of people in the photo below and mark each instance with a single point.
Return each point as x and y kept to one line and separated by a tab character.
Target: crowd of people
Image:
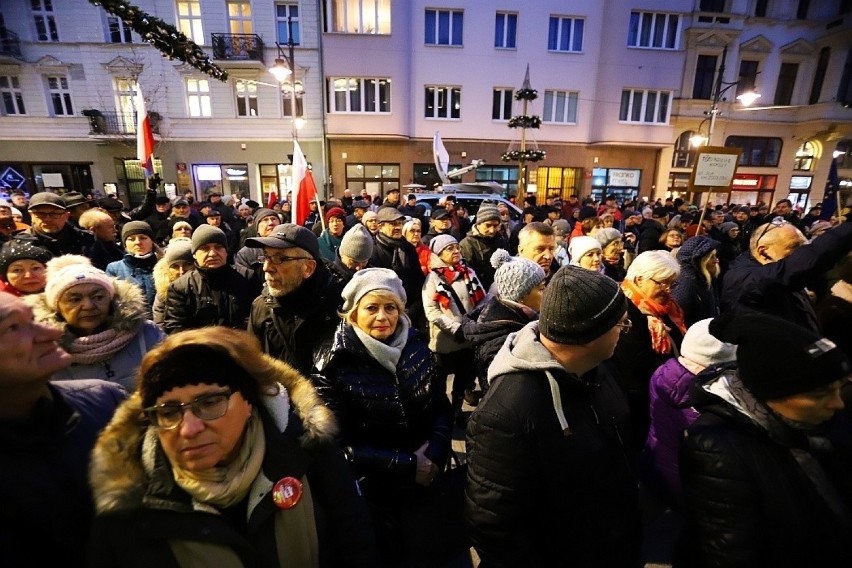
212	384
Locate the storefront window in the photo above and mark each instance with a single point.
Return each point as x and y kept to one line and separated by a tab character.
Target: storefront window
277	178
227	179
131	180
620	183
556	182
375	178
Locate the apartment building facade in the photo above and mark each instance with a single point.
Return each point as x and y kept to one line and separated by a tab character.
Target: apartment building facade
622	88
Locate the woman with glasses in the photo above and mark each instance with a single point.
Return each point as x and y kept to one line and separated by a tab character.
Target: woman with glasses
412	231
224	457
656	333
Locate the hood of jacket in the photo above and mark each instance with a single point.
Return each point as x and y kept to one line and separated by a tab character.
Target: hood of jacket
523	352
161	277
493	318
694	249
117	472
127	313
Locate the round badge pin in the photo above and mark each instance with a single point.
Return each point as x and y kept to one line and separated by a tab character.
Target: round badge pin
286	492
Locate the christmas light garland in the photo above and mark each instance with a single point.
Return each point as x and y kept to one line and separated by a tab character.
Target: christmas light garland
523	155
170	41
525	121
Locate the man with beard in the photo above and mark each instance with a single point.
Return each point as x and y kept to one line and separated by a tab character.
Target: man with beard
297	311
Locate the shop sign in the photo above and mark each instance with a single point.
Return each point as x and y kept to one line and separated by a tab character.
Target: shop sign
623	178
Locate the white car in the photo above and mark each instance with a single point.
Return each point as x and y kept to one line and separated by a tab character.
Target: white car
471	202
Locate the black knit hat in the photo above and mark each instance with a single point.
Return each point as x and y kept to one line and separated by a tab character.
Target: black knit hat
206	234
21	249
777	358
136	228
195	365
580	305
587	212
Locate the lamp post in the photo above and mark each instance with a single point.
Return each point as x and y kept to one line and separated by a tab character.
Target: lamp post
285	67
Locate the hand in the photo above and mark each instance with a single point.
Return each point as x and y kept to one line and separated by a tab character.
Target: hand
426	470
445	323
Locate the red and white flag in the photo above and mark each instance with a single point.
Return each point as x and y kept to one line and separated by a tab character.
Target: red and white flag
144	135
303	186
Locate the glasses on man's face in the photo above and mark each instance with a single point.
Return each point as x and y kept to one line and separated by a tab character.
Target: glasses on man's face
624	326
47	214
776	222
169	415
279	259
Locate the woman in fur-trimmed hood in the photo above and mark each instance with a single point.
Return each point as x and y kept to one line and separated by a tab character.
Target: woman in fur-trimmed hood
103	320
224	456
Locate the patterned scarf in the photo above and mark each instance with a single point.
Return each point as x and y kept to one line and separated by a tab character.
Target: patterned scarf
661	342
450	274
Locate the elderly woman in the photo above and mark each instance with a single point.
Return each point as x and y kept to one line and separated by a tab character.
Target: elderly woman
176	262
140	256
102	319
381	380
612	251
586	252
224	457
656	332
412	232
332	235
370	220
181	229
23	267
696	290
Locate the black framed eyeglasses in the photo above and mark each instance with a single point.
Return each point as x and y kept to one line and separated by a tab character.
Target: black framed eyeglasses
169	415
776	222
276	260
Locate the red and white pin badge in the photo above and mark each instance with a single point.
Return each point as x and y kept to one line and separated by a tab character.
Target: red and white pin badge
287	492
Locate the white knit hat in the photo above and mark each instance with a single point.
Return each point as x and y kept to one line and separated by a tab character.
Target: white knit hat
702	348
69	270
579	246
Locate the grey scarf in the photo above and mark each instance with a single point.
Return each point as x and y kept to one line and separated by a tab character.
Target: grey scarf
386	354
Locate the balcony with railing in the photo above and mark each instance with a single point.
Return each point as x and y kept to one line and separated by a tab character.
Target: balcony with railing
10	44
237	47
117	124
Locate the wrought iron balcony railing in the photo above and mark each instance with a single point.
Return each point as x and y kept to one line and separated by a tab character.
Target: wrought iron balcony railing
106	123
9	43
237	47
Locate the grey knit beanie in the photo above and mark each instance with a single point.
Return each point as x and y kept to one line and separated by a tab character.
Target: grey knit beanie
178	250
370	280
727	226
515	277
136	228
606	236
357	244
487	212
561	227
580	305
207	234
441	242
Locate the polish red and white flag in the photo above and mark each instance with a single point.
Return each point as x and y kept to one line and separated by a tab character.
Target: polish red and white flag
144	135
303	186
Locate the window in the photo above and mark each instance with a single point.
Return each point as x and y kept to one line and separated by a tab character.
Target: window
443	102
684	155
565	34
131	179
13	98
375	178
705	72
505	30
359	95
189	20
125	98
287	100
653	29
507	176
501	105
757	151
118	31
359	16
444	27
560	106
246	97
60	96
198	97
844	89
786	83
760	8
748	76
804	159
282	12
712	5
819	76
650	107
802	9
44	21
239	17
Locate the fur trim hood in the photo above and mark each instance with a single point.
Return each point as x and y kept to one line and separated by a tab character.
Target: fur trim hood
127	312
117	472
161	277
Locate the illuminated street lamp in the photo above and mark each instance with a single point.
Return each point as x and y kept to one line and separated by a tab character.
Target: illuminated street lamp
284	68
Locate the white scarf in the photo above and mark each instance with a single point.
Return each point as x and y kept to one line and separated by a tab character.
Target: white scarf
386	354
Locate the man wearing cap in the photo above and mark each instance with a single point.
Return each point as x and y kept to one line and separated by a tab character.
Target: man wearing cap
392	198
394	252
215	293
51	229
263	223
359	207
767	466
313	214
550	481
181	211
743	219
409	208
440	223
225	210
297	312
483	241
215	219
330	238
77	204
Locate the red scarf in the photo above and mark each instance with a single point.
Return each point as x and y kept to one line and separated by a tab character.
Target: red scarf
450	274
661	342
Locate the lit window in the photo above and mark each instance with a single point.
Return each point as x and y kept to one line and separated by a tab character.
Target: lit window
246	97
359	16
443	102
198	97
189	20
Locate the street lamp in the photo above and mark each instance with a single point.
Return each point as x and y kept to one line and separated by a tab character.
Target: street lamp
284	67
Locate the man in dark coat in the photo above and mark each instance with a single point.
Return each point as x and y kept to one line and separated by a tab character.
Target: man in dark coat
47	431
771	277
483	241
549	479
51	229
394	252
652	229
296	315
767	467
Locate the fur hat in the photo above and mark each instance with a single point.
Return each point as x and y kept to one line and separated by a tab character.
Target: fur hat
701	347
208	234
21	249
777	358
579	246
357	244
370	280
515	277
580	305
66	271
439	243
136	228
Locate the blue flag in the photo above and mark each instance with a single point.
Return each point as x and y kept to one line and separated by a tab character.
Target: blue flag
832	189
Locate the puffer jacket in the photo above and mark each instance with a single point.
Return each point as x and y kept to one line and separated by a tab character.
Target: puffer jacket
445	322
384	417
758	491
203	297
127	314
45	471
145	519
488	326
549	479
697	299
476	250
140	271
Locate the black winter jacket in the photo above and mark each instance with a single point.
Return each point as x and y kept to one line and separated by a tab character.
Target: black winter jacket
756	488
540	494
70	240
697	299
203	297
487	328
476	250
384	417
650	232
400	256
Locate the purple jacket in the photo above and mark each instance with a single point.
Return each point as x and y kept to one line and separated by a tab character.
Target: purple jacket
671	413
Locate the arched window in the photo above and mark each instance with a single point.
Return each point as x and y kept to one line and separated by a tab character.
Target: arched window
684	153
804	160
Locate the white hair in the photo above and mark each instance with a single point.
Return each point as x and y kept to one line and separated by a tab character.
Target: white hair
654	264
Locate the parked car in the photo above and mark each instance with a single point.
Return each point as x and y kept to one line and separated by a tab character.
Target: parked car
471	202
